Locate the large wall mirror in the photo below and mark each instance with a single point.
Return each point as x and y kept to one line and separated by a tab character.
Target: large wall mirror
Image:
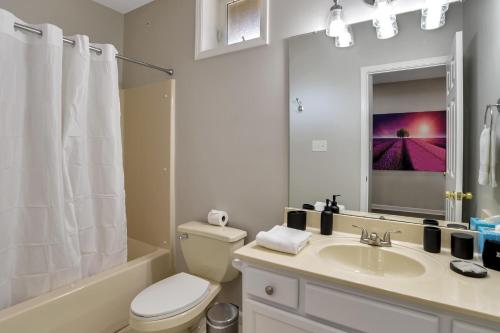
393	125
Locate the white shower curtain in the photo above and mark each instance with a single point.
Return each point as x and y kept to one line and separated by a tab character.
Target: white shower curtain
62	200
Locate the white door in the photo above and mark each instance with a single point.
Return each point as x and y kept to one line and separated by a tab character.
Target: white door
260	318
454	136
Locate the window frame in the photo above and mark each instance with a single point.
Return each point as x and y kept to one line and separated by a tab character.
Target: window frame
223	47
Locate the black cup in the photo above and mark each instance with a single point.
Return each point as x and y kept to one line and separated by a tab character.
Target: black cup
491	254
296	219
462	246
432	239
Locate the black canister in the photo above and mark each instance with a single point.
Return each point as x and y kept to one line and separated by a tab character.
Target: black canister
432	239
297	219
491	254
431	222
462	246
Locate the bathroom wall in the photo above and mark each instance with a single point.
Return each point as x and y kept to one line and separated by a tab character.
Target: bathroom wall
328	81
86	17
482	82
100	23
421	190
232	122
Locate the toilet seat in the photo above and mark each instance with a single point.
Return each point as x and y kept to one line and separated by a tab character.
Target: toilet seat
170	297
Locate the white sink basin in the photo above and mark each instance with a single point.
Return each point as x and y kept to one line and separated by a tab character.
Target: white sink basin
396	261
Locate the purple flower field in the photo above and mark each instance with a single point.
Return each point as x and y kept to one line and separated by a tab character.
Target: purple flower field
413	141
410	154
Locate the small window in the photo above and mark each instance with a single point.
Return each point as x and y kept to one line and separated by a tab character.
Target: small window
224	26
243	21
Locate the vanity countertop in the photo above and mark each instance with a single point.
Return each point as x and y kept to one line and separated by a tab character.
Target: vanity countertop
440	288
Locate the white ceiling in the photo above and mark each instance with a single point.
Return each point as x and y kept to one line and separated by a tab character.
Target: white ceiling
123	6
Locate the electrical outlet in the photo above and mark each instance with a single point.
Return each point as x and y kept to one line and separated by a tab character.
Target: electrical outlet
319	145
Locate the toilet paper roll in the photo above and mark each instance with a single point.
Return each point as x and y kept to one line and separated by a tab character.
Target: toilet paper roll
218	217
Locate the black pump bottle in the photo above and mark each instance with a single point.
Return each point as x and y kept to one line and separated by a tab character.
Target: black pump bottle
327	219
335	208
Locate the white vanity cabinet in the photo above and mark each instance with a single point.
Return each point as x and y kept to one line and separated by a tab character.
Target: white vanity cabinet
276	301
461	327
267	319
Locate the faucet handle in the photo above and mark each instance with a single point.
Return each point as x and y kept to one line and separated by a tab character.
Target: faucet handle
387	235
364	232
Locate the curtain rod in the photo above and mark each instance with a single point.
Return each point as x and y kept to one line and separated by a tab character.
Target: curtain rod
95	49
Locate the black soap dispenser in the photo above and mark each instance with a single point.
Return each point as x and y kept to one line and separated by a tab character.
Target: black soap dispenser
327	219
335	208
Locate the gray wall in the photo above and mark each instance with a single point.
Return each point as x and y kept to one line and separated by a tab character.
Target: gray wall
391	187
328	81
482	87
100	23
84	17
232	123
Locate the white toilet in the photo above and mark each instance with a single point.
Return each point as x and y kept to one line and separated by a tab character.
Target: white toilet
177	303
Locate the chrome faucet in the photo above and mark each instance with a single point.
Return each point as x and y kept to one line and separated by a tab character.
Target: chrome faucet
374	239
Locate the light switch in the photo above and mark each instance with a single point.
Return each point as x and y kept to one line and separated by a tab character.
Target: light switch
319	145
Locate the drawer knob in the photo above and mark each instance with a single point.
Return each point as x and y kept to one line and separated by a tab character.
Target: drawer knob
269	290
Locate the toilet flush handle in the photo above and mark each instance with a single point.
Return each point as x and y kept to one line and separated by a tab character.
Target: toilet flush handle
182	236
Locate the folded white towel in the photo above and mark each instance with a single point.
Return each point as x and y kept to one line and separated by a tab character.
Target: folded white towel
493	156
283	239
487	155
484	156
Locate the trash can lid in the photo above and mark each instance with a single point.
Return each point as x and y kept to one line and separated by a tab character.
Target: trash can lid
222	314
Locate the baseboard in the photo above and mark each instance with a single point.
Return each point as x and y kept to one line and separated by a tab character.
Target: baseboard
413	210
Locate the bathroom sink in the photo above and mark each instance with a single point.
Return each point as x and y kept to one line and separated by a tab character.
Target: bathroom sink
397	262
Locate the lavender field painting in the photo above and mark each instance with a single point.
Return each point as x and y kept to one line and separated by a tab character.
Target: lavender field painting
413	141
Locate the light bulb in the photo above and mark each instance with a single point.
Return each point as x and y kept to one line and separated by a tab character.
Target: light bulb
434	14
385	20
335	24
345	39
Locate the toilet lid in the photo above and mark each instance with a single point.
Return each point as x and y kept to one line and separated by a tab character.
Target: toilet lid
170	297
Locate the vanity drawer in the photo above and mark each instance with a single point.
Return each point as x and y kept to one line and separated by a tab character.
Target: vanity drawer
272	287
460	327
364	314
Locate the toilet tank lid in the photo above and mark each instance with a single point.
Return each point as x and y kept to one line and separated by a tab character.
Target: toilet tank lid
224	234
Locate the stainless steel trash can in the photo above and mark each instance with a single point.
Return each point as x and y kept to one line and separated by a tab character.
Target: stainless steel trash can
222	318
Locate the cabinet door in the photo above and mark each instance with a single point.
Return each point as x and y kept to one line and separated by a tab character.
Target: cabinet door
260	318
459	327
364	314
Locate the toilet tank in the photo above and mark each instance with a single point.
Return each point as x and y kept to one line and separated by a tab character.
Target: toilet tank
208	250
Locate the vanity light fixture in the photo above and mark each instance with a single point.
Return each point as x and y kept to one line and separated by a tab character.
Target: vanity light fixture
434	14
345	39
385	21
335	25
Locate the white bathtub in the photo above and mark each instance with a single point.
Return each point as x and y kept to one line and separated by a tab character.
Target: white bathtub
99	304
